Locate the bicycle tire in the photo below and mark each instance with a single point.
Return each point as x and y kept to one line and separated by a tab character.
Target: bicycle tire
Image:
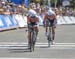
49	36
33	40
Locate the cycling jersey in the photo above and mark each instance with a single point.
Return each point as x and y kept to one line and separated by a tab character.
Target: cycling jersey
32	19
50	15
32	16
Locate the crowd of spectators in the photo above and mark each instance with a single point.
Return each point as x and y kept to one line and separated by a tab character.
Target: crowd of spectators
68	12
11	8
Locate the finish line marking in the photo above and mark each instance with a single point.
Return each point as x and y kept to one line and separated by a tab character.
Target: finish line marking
37	58
37	44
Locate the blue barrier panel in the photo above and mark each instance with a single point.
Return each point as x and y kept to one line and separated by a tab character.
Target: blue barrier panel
13	20
7	22
3	24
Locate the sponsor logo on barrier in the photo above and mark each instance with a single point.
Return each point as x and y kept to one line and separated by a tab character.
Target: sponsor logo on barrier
2	22
7	22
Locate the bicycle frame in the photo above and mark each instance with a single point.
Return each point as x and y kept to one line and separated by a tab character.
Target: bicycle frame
49	37
33	39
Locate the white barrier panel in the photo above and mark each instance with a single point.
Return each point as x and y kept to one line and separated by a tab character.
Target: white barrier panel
14	20
20	20
25	20
73	19
68	20
60	20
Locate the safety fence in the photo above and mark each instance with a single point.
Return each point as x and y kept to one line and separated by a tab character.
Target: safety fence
15	21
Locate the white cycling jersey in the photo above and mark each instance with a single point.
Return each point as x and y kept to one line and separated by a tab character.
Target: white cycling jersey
32	13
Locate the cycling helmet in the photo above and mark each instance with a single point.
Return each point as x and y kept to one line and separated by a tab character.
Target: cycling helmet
50	12
32	13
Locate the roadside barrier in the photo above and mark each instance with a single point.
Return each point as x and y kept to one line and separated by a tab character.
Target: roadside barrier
7	22
14	21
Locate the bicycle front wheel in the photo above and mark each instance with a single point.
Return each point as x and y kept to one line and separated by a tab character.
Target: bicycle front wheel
49	36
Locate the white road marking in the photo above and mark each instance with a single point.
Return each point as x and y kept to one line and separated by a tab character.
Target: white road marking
25	45
37	58
36	43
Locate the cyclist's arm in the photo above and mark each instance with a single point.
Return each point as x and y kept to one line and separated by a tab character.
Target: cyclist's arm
37	21
45	17
28	19
55	17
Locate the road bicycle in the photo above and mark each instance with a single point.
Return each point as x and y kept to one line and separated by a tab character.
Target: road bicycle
33	38
49	34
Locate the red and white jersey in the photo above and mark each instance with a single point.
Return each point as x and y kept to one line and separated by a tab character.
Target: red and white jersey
50	15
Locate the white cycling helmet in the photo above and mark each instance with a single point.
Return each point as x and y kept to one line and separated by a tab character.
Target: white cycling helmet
32	13
50	12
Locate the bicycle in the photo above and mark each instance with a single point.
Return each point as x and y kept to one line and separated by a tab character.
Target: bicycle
49	36
33	38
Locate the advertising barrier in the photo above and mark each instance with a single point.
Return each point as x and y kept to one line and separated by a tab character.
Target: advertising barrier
7	22
14	21
22	21
66	20
3	24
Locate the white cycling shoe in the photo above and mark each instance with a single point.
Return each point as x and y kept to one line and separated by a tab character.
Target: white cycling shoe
52	42
46	34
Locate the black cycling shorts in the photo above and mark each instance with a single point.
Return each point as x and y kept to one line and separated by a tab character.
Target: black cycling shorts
51	22
33	23
30	26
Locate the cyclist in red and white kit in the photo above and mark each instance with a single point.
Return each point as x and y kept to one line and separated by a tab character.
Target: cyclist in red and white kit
32	21
50	16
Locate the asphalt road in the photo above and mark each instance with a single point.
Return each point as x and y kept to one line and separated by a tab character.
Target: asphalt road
64	46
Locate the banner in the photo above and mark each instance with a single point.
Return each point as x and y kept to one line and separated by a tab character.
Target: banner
17	1
14	20
21	21
3	24
7	22
66	3
26	3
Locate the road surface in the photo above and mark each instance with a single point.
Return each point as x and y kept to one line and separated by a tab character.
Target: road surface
13	44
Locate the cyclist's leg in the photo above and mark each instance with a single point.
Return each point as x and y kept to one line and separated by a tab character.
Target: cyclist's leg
29	38
36	30
46	28
53	33
53	29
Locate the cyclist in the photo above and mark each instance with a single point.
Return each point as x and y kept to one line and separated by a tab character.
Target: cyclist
32	21
50	16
